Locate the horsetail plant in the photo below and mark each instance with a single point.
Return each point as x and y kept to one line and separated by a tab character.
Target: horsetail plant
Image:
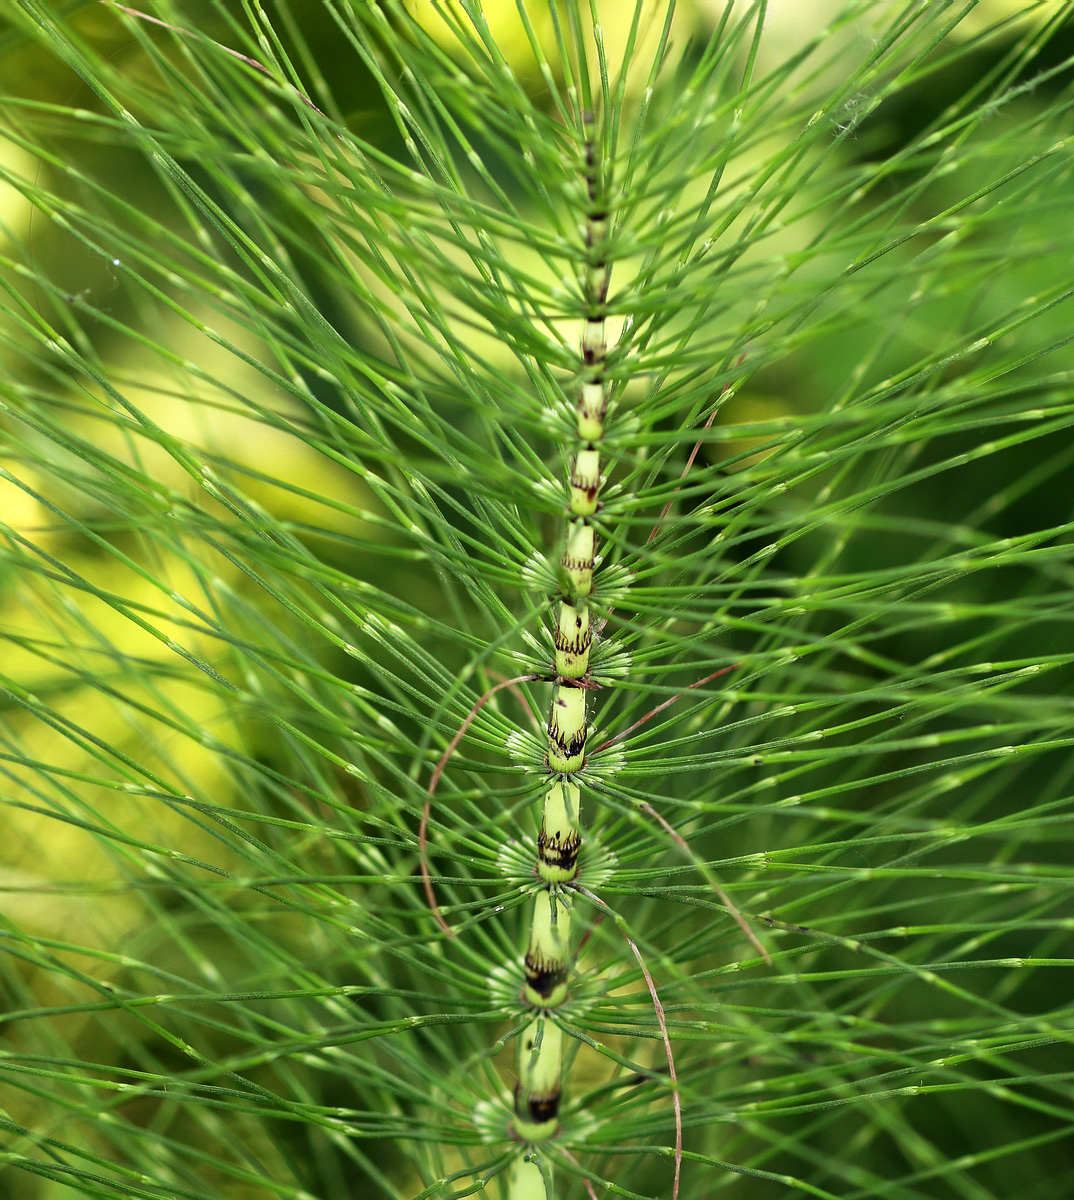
602	461
540	1068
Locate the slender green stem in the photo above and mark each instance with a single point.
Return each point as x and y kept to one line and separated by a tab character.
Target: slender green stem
547	963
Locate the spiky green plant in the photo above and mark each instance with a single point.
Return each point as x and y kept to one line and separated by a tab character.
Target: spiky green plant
379	378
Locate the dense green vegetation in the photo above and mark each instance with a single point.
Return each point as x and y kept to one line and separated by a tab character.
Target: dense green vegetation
291	359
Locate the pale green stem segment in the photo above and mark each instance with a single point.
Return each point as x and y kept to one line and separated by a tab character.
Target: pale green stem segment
540	1065
567	729
547	964
547	957
573	639
559	839
526	1181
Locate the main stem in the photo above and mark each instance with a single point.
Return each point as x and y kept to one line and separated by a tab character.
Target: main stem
548	959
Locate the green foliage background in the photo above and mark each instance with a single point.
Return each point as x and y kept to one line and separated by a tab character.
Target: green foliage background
289	347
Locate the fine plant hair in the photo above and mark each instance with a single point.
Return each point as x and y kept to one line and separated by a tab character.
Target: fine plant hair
537	589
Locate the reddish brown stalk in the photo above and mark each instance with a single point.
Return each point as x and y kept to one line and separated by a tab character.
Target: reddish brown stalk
520	696
658	1008
685	471
588	934
723	897
666	704
250	62
740	920
434	781
693	454
590	1190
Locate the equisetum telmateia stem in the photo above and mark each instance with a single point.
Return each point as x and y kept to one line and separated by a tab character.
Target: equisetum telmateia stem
548	958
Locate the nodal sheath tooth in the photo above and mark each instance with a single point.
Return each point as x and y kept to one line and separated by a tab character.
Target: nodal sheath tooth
578	557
